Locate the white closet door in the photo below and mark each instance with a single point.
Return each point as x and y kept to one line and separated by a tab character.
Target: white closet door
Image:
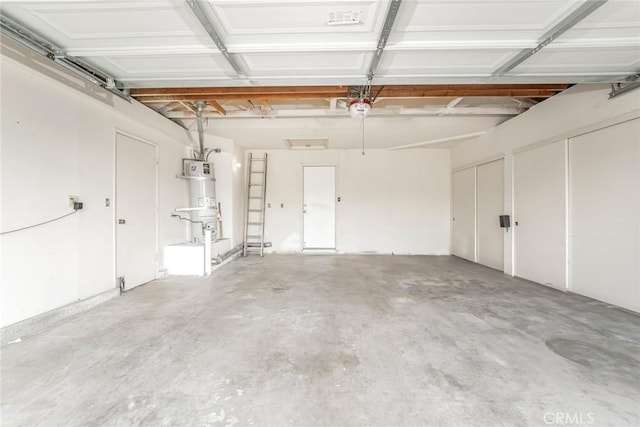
490	207
464	214
539	215
604	187
136	207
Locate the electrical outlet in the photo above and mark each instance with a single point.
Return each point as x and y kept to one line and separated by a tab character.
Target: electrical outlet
71	200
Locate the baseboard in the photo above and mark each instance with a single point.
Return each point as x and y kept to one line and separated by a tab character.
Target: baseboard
37	323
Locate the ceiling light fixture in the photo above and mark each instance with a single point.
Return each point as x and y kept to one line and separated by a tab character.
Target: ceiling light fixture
359	108
361	100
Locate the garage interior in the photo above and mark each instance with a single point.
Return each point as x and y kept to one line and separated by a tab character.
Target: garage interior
303	212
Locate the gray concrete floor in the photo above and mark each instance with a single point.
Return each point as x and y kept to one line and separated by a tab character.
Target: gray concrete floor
332	341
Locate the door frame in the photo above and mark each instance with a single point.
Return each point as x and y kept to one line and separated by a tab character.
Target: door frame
335	210
114	200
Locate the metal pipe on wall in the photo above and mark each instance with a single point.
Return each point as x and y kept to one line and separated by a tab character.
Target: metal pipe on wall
207	252
199	120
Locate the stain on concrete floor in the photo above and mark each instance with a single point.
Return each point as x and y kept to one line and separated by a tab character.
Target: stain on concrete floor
330	341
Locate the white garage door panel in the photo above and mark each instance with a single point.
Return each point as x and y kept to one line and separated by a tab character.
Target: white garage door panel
464	213
539	212
605	209
490	207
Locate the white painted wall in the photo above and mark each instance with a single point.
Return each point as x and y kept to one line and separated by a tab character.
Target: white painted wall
58	139
576	111
239	193
391	201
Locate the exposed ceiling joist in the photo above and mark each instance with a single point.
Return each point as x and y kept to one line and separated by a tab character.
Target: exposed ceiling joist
216	106
455	102
381	112
187	107
265	104
241	91
584	10
318	92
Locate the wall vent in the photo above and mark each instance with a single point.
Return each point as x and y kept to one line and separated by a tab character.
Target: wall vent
307	143
344	17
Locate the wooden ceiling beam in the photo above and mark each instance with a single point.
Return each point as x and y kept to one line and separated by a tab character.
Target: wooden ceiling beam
319	92
194	98
216	106
243	91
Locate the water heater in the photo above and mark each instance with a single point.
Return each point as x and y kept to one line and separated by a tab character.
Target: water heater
202	208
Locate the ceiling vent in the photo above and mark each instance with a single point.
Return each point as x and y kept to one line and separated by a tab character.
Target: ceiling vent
307	143
344	17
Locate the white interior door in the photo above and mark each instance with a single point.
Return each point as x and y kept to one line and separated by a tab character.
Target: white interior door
464	214
539	215
605	214
319	207
136	228
490	206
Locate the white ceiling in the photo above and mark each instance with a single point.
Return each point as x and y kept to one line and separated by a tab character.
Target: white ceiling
161	43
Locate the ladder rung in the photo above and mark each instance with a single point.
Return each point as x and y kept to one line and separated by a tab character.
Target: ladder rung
257	159
254	236
260	172
255	210
256	185
255	197
255	223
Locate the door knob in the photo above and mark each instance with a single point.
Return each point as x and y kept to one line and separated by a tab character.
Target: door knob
121	221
